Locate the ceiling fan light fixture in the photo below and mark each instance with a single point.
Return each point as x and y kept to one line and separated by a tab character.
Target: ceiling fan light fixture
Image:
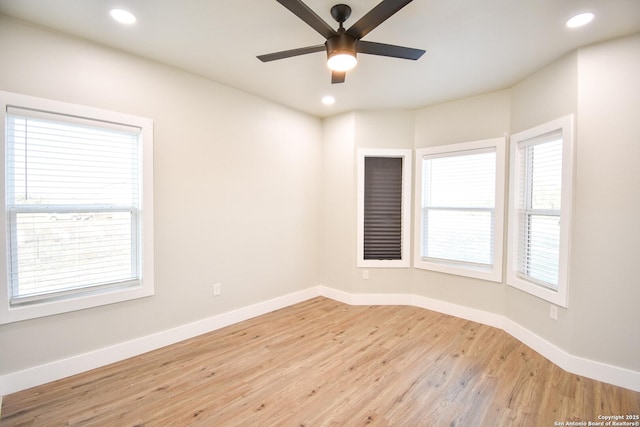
341	52
342	61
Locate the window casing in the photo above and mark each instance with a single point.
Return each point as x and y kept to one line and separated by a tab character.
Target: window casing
77	204
460	208
384	208
540	202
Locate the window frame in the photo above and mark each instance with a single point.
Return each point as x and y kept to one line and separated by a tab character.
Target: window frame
494	272
92	296
406	155
515	278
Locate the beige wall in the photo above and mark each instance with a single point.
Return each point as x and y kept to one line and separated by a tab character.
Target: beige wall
339	202
545	95
237	191
470	119
604	296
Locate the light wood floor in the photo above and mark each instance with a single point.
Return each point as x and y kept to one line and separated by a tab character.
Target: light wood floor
323	363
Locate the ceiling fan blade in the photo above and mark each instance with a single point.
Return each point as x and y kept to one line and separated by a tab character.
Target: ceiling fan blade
373	48
338	76
293	52
375	17
304	12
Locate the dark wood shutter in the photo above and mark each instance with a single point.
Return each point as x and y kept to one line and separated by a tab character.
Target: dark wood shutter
382	208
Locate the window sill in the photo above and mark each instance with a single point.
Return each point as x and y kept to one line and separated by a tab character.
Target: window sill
557	297
16	313
491	274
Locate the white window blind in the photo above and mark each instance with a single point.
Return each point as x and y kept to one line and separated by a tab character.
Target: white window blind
459	206
539	207
72	205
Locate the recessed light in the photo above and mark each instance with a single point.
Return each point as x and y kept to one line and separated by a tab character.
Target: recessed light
580	20
123	16
328	100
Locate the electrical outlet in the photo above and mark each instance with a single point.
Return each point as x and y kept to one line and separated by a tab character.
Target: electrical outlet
553	312
217	289
365	274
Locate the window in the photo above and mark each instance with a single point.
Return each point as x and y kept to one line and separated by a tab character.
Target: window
384	203
540	210
459	214
77	207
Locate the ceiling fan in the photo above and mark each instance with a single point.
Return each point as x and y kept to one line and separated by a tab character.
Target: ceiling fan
342	45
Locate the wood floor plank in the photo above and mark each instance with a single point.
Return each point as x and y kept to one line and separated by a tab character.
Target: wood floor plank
323	363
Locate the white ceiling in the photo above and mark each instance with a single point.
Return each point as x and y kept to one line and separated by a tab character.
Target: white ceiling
472	46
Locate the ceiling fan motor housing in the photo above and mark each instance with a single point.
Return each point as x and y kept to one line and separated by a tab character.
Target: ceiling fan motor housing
341	44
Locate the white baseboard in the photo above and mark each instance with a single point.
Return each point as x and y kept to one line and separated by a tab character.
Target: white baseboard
42	374
593	369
